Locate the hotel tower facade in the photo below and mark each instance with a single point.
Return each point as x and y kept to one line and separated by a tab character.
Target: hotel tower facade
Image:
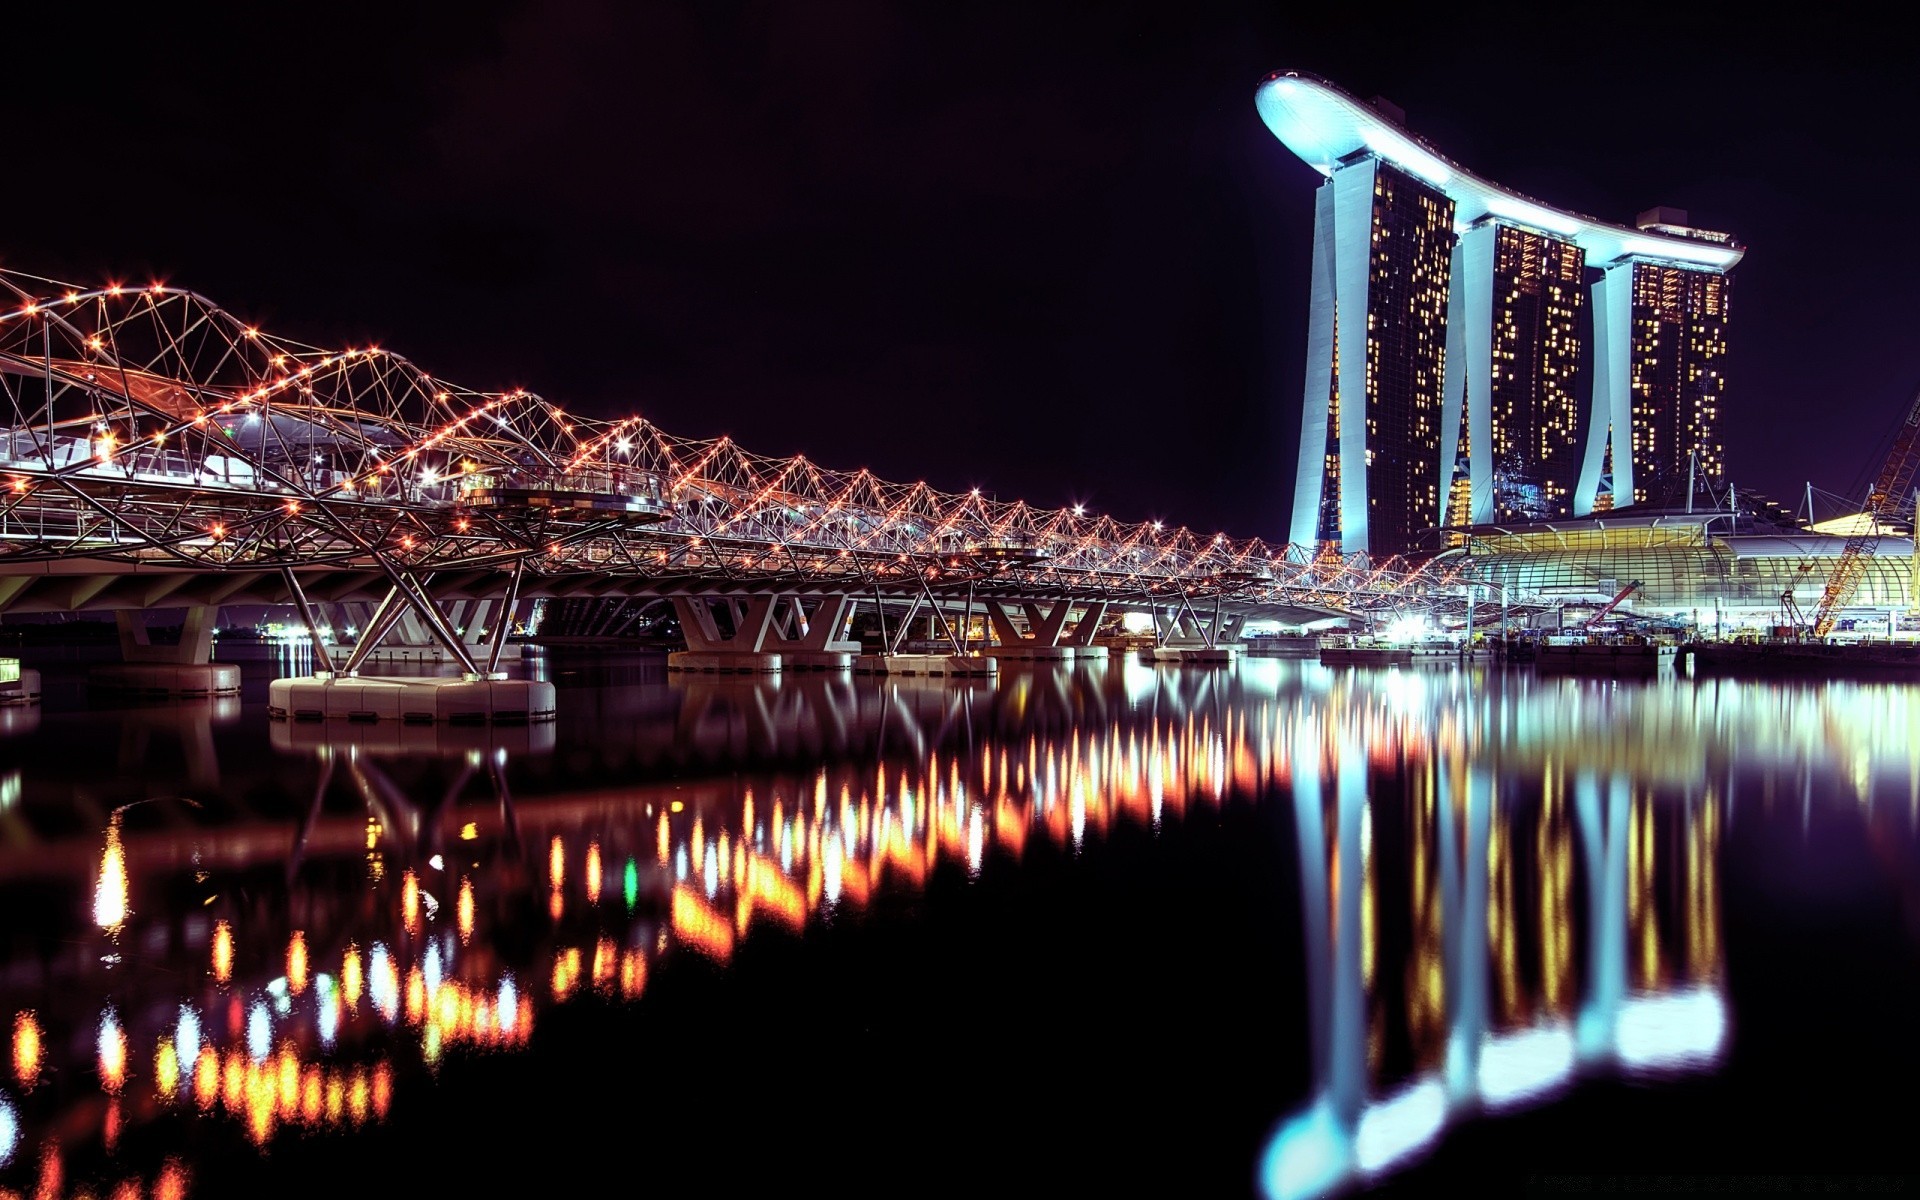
1447	379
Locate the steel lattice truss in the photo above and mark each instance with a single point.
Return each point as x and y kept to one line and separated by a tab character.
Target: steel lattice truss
147	426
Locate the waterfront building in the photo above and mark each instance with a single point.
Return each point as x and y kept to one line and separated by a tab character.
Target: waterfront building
1718	570
1492	346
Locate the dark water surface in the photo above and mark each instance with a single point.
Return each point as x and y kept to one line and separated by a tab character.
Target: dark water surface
1278	929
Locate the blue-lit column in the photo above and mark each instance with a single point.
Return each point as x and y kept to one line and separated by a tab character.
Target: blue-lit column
1469	377
1337	356
1611	402
1309	484
1353	265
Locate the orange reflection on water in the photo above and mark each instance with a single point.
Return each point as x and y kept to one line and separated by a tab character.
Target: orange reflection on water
223	950
350	978
171	1183
111	1053
410	902
206	1077
697	924
26	1049
1643	921
166	1069
1703	892
297	962
110	890
1554	857
566	973
633	974
464	911
839	833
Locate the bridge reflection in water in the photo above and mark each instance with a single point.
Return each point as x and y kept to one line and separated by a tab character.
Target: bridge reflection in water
1505	883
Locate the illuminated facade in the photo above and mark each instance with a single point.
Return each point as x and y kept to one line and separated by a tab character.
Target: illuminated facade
1515	307
1369	459
1512	443
1660	384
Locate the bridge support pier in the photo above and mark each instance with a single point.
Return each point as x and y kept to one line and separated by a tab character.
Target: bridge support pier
953	665
1046	638
1187	637
482	696
185	668
412	700
738	647
813	641
759	634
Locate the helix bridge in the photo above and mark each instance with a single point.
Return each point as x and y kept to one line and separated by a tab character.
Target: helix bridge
162	452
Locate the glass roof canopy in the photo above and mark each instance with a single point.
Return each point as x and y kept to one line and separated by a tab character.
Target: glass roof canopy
1324	125
1680	563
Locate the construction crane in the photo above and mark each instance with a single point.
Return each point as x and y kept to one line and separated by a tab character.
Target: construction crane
1889	491
1593	622
1796	620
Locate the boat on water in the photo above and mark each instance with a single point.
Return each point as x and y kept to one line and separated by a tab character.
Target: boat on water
1608	656
1844	659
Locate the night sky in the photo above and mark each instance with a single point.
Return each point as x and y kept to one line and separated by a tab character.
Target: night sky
1044	249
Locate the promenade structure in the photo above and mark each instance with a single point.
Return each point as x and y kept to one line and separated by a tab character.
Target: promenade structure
1446	343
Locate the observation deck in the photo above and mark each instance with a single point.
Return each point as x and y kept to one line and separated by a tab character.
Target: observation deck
1326	127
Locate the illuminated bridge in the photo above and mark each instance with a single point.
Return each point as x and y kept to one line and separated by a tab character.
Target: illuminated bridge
160	453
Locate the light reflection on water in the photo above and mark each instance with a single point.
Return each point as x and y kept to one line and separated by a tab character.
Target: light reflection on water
1506	883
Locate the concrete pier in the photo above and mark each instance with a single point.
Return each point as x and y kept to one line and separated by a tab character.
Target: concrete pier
421	740
1037	653
183	668
816	660
412	700
1216	656
924	664
1045	636
158	679
725	662
762	634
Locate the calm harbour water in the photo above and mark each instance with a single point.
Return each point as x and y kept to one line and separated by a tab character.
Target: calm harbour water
1279	929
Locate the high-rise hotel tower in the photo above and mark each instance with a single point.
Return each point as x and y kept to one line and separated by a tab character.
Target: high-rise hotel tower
1444	343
